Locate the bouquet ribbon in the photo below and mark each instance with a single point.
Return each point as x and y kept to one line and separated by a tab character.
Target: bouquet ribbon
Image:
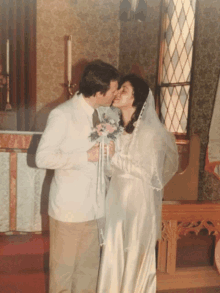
104	162
108	130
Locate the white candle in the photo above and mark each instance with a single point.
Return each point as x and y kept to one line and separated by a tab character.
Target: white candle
7	57
69	59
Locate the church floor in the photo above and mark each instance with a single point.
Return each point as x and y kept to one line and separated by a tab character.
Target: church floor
24	266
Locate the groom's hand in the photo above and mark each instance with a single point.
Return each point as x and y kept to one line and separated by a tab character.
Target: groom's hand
93	153
111	148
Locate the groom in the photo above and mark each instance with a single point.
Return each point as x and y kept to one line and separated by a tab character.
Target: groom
65	147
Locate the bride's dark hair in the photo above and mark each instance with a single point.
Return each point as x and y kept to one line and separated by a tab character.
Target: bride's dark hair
141	91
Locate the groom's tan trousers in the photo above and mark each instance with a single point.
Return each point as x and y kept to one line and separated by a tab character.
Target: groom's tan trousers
74	257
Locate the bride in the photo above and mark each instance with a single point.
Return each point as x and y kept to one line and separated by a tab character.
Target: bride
145	161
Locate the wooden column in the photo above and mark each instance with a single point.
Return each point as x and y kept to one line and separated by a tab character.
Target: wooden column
217	252
13	190
172	247
162	255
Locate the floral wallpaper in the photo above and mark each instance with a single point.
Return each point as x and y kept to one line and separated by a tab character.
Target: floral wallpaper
139	52
94	26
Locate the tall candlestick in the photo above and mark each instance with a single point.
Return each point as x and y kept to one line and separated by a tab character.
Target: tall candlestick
7	57
8	105
69	59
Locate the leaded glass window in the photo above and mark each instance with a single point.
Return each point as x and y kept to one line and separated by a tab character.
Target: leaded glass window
178	22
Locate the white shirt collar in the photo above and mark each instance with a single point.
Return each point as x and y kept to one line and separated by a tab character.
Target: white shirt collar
88	109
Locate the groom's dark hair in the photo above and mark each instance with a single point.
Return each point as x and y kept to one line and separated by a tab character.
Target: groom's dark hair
96	77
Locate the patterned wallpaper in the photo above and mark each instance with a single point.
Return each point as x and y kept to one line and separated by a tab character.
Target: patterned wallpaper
139	44
94	26
206	71
139	49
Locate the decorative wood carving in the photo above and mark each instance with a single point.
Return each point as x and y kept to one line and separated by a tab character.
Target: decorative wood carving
180	218
168	230
196	226
183	228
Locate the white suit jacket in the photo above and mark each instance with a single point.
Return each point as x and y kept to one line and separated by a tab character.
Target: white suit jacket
63	147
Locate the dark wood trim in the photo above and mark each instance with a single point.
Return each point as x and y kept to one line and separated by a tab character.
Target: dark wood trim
21	66
160	58
13	69
32	71
193	66
175	84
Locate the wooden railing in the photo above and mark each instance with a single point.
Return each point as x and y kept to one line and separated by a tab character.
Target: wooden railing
178	219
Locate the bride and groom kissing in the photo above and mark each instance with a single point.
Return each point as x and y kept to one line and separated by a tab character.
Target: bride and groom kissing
143	159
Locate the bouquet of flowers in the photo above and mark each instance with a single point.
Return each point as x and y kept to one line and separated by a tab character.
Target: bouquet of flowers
108	129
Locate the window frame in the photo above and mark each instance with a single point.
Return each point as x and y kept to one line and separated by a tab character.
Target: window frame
159	84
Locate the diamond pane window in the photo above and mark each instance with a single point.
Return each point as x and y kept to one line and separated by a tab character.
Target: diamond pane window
174	107
176	62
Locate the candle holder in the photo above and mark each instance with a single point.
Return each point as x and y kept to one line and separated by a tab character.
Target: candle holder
8	106
4	80
70	88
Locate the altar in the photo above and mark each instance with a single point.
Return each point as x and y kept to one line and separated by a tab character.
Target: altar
22	184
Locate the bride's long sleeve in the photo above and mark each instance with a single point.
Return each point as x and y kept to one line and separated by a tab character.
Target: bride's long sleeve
152	160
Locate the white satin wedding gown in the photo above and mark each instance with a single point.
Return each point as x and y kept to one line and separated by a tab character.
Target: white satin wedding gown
128	257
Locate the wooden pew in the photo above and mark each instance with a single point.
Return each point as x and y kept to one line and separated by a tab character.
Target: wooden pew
182	214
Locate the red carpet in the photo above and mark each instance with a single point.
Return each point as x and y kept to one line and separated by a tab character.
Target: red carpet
24	283
24	261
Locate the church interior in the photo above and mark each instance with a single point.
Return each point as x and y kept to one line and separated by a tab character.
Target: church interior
44	47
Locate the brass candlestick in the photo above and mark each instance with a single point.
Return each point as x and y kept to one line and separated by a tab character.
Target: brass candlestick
8	106
70	88
4	80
